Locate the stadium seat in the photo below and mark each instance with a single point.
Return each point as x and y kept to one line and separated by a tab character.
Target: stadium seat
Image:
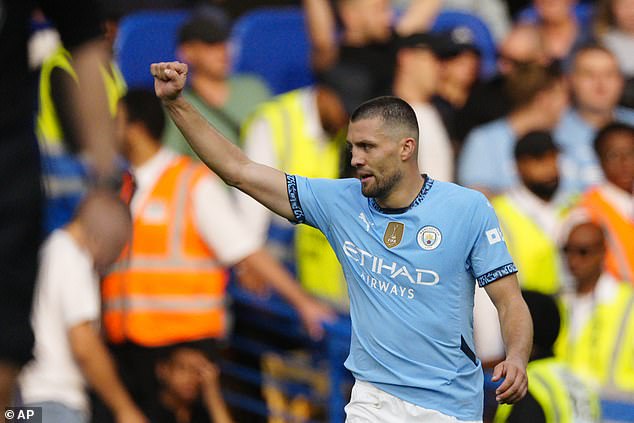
448	20
273	43
146	37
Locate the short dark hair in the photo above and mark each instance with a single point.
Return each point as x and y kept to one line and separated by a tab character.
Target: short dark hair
535	144
546	320
529	80
394	111
605	132
143	106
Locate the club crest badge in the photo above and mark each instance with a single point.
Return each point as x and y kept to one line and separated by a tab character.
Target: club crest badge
429	238
393	234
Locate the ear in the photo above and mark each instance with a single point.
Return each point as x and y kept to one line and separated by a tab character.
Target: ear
408	148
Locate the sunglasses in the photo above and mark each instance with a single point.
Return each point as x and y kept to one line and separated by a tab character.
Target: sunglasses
580	251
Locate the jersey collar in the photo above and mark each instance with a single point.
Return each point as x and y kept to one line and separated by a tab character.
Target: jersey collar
419	199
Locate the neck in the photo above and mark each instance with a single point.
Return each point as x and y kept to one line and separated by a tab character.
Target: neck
454	94
596	118
142	152
180	408
215	92
408	91
527	119
77	233
588	284
404	193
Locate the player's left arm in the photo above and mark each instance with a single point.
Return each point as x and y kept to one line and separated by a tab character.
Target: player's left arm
517	333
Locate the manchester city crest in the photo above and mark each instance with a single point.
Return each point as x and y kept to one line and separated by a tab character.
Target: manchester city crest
429	238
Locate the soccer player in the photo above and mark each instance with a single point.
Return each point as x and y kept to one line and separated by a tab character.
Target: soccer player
411	249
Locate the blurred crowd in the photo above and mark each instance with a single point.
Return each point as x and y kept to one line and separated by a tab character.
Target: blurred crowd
131	298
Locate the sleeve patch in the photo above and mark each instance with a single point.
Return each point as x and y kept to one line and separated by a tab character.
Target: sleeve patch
499	273
293	198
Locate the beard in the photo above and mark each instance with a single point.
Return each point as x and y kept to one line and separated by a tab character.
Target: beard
544	190
381	187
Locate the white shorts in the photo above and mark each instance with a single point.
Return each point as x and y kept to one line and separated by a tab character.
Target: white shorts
369	404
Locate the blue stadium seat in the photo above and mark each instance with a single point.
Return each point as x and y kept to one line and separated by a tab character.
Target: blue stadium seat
448	20
146	37
273	43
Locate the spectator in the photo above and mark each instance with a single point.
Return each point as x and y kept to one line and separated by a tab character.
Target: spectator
614	26
556	392
489	100
531	212
169	287
596	84
64	173
539	95
189	388
21	196
301	132
559	30
225	101
69	351
611	204
459	70
415	81
361	65
597	331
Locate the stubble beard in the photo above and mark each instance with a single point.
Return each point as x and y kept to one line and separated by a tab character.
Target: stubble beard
382	187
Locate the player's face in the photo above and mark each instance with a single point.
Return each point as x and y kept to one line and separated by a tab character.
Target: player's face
374	156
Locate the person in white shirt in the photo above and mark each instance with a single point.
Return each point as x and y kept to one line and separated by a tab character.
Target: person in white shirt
415	81
69	353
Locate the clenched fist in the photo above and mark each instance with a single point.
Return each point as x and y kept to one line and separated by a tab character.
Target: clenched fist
169	79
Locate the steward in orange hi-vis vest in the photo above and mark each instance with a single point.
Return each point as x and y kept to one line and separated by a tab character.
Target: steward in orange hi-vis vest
168	285
619	260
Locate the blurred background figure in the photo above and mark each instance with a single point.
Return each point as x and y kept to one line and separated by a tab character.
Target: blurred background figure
560	30
416	79
169	286
530	213
189	389
358	56
611	204
556	393
597	332
69	350
539	96
614	27
460	62
596	85
489	100
224	99
65	174
21	199
301	132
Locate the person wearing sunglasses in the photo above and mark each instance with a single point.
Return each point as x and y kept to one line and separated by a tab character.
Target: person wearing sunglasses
597	330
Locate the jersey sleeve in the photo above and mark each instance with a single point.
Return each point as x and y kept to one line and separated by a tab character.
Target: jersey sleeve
489	258
310	199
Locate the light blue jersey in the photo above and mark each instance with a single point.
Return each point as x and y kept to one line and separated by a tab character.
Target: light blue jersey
411	278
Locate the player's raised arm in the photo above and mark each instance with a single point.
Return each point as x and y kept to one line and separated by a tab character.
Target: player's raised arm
265	184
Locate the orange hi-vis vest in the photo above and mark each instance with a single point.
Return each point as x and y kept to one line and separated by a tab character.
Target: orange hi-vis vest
619	259
168	285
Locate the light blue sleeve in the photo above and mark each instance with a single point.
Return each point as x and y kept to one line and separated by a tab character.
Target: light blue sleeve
489	258
310	199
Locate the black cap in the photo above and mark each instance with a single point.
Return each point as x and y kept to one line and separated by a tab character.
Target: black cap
423	40
208	24
535	144
457	41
